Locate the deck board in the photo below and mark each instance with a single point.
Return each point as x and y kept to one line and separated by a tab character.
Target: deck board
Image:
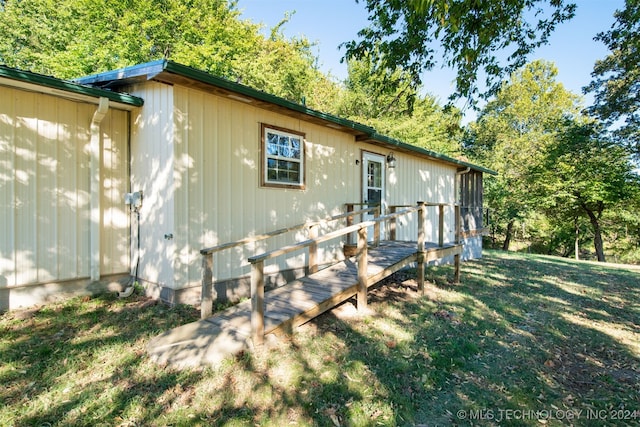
286	307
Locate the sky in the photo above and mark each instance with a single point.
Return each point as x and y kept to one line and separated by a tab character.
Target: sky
328	23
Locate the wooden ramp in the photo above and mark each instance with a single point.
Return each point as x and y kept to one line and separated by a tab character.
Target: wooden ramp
209	341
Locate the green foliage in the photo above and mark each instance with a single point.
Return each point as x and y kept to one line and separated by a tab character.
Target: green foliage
372	92
467	34
389	103
585	174
558	173
617	77
71	38
512	134
428	126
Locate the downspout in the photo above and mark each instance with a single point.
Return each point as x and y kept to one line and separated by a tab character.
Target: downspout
95	187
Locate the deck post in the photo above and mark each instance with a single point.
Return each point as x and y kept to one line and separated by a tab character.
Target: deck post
313	250
362	269
420	254
392	224
456	257
441	225
349	207
206	300
257	302
376	227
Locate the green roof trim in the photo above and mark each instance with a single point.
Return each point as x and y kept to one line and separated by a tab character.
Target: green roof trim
67	86
241	89
149	70
408	147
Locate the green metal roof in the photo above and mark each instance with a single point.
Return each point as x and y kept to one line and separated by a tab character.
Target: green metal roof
408	147
162	69
52	85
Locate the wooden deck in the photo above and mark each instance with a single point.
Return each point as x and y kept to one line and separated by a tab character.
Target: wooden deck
209	340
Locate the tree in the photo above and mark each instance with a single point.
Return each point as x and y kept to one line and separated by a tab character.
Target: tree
512	135
616	81
585	173
469	33
373	92
71	38
388	102
68	38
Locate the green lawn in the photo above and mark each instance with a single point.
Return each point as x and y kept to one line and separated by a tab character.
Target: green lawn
523	340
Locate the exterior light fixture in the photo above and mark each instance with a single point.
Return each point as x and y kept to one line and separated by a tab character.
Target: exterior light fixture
391	161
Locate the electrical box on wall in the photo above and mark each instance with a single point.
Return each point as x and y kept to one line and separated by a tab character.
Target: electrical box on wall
133	199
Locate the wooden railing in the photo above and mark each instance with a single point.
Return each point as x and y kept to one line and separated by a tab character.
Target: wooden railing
351	214
475	221
258	261
206	304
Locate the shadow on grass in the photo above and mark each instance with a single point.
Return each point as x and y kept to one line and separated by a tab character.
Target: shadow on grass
523	339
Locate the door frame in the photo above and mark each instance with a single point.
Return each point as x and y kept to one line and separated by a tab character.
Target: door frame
367	157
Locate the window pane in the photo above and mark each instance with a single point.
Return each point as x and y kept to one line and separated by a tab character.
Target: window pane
283	157
283	146
377	174
289	166
374	196
295	148
272	144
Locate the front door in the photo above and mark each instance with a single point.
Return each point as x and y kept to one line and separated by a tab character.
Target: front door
373	182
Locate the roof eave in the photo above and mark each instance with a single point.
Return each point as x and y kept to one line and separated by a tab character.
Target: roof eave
171	72
404	147
40	83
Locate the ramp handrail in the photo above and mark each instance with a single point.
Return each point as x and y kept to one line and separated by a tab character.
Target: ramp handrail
259	237
329	236
206	301
258	261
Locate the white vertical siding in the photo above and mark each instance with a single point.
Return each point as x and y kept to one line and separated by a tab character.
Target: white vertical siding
218	193
152	171
25	189
44	188
197	157
115	183
8	183
415	179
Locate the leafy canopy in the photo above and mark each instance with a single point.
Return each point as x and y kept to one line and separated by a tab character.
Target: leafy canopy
513	132
387	101
467	34
616	78
71	38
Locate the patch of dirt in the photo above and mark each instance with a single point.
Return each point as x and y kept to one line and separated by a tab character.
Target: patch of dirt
399	287
26	313
585	371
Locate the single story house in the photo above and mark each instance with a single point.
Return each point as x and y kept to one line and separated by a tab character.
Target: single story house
132	172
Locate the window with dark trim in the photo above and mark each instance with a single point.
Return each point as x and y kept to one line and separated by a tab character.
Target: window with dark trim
282	158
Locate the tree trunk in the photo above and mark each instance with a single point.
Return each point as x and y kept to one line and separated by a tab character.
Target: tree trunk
597	231
507	238
577	242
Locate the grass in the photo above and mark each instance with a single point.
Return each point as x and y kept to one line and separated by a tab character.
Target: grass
524	340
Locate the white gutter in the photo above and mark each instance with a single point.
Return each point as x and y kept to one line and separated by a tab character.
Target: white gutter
95	187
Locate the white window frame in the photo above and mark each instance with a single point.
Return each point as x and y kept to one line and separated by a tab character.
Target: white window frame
266	181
